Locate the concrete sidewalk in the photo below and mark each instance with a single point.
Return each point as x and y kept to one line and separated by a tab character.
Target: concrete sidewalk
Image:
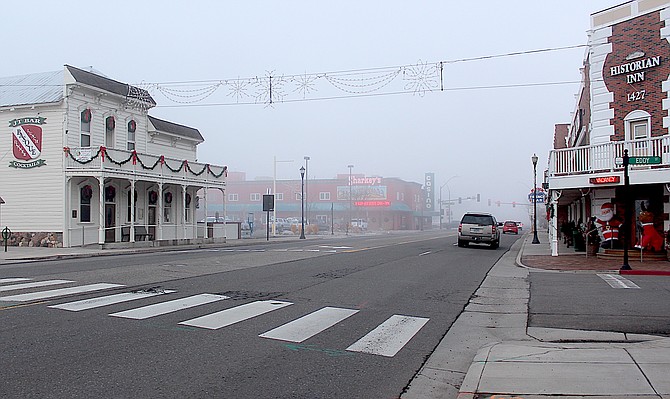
490	350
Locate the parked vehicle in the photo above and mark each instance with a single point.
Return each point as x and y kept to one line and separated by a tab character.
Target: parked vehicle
359	223
519	225
510	227
479	228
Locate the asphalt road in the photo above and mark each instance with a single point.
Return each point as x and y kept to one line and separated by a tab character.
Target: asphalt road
586	301
408	288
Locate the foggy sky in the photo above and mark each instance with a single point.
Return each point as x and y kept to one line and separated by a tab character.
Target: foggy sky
484	127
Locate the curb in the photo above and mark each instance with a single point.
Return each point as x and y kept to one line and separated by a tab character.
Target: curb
645	272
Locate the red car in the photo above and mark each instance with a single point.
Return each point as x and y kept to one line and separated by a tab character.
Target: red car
510	227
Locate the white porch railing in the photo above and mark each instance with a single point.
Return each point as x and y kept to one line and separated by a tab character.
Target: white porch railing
601	157
115	160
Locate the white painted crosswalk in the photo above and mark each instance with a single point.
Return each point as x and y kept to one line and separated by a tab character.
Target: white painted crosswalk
309	325
616	281
234	315
162	308
387	339
33	296
108	300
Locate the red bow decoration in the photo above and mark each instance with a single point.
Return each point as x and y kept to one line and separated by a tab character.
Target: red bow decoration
103	150
134	157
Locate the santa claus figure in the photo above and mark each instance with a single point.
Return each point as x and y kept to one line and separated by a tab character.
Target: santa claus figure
609	225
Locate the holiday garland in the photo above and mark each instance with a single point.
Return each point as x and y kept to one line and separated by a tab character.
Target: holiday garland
102	152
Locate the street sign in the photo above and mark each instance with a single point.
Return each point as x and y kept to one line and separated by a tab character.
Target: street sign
644	160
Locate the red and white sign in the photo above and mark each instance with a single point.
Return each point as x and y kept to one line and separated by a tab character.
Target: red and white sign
27	142
605	180
372	203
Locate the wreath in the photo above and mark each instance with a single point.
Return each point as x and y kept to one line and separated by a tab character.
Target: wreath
86	115
153	197
110	123
168	197
86	192
110	193
132	126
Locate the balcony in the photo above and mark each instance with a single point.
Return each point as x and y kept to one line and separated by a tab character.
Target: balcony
152	167
601	158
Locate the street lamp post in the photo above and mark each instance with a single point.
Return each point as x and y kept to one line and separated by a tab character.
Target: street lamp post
348	221
535	239
302	203
449	192
306	185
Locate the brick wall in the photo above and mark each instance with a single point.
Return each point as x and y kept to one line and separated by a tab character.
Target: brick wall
635	35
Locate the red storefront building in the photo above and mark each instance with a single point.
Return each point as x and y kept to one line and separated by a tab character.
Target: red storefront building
381	203
622	106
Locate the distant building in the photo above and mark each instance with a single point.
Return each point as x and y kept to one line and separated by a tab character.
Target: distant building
622	104
86	164
383	203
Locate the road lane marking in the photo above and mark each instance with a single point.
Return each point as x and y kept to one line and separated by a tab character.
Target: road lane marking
33	285
59	292
389	337
426	253
107	300
616	281
234	315
158	309
13	280
308	326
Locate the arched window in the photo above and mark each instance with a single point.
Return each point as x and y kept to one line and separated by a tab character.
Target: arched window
85	195
132	126
637	126
85	128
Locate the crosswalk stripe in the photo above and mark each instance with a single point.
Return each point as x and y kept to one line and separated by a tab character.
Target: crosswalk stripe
616	281
33	285
389	337
108	300
309	325
59	292
169	306
234	315
13	280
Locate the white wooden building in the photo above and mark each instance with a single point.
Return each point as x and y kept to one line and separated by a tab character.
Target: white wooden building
86	164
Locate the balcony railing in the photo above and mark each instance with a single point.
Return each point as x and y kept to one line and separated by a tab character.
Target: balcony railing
158	166
602	157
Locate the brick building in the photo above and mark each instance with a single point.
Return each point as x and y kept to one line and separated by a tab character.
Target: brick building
383	203
622	106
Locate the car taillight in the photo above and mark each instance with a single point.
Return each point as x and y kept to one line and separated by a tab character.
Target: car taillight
493	229
460	227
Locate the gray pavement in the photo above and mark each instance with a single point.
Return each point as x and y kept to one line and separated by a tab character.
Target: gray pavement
490	350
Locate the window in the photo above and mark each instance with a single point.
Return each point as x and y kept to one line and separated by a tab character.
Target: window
187	208
279	197
298	196
233	197
636	125
132	126
85	195
85	138
110	124
255	197
324	196
400	196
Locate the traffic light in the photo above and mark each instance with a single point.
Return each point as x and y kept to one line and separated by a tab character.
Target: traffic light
460	200
514	204
478	198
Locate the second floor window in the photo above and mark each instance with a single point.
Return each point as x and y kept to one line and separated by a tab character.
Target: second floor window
233	197
255	197
279	197
85	127
325	196
132	127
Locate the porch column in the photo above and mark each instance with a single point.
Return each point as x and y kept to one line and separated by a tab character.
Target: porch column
225	214
67	214
159	216
132	211
553	229
183	212
204	200
101	210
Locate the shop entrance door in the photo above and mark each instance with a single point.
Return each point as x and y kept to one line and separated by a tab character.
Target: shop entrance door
110	222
